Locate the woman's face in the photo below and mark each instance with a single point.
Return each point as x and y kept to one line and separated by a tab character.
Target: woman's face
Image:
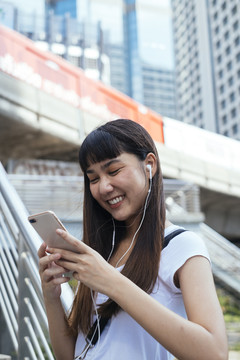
119	185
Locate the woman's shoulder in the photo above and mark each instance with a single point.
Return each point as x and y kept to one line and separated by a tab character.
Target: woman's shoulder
184	245
179	250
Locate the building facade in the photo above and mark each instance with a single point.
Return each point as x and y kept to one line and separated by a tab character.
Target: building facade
207	58
159	90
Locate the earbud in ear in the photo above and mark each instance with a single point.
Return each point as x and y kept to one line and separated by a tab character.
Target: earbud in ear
150	171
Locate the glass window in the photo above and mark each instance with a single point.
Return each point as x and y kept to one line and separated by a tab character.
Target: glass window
235	25
220	74
237	40
234	10
223	104
226	35
224	5
230	81
228	50
235	129
224	119
229	65
233	113
232	96
225	20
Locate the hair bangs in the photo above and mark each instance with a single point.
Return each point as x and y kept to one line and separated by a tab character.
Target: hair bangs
98	146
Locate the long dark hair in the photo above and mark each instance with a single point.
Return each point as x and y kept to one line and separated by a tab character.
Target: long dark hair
107	142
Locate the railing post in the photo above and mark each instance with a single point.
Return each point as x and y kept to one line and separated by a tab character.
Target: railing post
22	345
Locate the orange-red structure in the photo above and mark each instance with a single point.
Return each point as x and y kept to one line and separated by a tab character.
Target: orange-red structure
20	58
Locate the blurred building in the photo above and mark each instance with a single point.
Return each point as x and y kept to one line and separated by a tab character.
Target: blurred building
207	58
159	90
116	42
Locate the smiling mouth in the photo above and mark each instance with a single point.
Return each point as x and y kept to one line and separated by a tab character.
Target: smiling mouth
116	200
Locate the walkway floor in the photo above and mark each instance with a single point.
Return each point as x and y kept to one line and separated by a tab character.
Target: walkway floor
234	355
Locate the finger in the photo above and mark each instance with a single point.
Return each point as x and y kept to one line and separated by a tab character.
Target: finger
79	245
42	250
53	272
45	261
68	265
65	254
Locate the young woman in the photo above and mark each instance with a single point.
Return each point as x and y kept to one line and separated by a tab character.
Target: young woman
136	298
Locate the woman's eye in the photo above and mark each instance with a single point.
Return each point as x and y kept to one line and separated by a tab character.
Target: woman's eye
93	181
114	172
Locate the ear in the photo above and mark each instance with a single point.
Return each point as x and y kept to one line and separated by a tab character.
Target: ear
151	161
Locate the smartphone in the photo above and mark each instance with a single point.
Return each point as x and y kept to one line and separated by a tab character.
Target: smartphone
46	223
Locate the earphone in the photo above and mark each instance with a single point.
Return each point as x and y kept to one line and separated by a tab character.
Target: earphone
150	171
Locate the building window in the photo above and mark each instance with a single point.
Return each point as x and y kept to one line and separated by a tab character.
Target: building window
220	74
234	10
216	30
219	59
225	20
226	35
229	65
235	129
238	57
218	44
224	119
233	113
224	5
232	97
223	104
228	50
225	133
238	73
230	81
215	16
221	89
235	25
237	41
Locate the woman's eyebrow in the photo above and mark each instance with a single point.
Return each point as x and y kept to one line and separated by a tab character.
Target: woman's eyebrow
113	161
106	165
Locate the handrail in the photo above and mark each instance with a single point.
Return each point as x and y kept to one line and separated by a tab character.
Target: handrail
20	288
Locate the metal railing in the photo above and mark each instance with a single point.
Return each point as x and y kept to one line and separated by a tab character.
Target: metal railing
21	298
225	257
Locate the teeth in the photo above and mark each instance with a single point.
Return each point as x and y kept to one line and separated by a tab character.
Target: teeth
116	200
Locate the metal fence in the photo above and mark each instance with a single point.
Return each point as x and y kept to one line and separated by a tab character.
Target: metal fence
21	298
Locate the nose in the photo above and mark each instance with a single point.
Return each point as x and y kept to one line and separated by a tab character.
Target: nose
105	186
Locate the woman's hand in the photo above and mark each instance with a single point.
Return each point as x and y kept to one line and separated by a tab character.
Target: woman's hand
51	274
87	265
